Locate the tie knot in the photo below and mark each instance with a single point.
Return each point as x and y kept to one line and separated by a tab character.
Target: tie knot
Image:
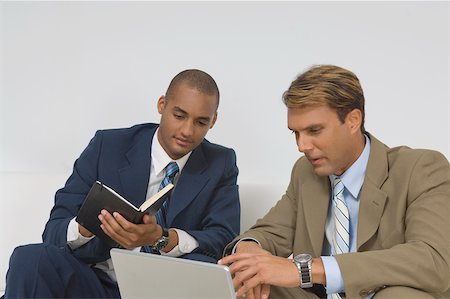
171	170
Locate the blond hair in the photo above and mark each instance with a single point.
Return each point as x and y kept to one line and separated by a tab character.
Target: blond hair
327	85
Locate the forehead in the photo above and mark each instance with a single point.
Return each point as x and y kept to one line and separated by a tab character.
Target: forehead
192	101
300	118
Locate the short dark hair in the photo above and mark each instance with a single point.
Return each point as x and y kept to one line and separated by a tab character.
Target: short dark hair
327	84
196	79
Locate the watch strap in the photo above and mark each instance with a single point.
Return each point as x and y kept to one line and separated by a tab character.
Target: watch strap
163	240
304	266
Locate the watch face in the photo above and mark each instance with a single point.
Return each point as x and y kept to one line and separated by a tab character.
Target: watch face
161	243
303	258
163	240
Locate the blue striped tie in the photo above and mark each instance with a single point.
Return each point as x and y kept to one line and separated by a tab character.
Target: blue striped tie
341	240
171	170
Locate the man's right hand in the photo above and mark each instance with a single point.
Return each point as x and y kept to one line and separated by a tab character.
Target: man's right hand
84	232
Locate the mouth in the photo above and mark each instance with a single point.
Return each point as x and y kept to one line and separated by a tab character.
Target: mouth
182	142
315	161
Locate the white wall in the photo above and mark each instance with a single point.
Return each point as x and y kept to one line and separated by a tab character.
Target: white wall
69	68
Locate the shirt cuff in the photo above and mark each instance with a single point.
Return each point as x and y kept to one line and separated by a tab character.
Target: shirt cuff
186	244
335	283
243	239
74	238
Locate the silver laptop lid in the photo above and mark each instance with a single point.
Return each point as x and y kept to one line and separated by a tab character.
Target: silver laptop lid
143	275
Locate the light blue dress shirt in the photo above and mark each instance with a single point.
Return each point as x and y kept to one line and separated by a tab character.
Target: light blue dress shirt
352	179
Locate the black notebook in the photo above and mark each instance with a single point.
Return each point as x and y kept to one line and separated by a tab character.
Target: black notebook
103	197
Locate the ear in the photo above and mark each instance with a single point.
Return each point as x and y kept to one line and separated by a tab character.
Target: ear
354	120
213	120
161	104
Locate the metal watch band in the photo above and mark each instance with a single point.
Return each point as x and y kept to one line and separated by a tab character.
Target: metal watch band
163	240
304	266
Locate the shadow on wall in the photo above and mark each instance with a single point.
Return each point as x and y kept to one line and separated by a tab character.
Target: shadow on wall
256	201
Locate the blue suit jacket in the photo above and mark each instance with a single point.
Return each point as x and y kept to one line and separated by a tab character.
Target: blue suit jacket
204	203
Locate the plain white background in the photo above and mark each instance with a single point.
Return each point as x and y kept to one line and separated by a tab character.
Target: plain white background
70	68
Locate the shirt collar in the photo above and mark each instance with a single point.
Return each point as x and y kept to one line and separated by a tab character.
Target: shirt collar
353	178
160	158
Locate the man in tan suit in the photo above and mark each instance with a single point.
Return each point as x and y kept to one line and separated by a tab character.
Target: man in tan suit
361	220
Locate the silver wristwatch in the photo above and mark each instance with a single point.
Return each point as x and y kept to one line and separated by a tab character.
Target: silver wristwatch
303	262
163	240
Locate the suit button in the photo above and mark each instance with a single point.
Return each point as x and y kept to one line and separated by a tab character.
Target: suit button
364	293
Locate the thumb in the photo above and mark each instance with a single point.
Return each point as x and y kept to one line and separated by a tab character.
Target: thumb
149	219
146	219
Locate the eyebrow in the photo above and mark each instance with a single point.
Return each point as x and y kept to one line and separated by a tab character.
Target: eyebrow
178	109
313	126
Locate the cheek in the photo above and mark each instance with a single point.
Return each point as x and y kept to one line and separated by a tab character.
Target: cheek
170	125
200	134
324	143
329	146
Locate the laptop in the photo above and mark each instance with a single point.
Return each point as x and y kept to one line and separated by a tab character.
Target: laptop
143	275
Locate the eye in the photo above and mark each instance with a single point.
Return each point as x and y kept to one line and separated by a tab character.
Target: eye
202	123
178	116
314	131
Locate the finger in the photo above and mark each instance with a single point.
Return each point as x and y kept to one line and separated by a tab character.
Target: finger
265	291
229	259
107	220
237	282
248	278
112	228
248	285
106	225
257	292
123	222
149	219
251	295
225	260
243	265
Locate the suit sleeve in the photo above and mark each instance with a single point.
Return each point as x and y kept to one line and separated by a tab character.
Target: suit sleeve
222	216
276	230
422	259
68	201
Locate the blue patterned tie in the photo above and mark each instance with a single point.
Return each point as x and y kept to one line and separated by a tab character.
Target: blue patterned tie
341	240
171	170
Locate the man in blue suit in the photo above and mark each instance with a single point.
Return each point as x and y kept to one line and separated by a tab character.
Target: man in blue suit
202	215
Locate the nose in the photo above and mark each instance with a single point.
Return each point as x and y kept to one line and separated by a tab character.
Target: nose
187	129
303	144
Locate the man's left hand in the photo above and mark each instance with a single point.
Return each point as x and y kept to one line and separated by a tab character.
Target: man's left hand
251	270
128	234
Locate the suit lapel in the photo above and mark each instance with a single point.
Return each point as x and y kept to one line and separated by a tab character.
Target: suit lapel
316	198
135	174
370	211
372	198
190	183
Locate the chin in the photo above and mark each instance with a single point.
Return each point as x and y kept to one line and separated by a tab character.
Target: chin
180	153
321	171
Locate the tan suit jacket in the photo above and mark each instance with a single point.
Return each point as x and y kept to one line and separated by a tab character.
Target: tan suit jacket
403	225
